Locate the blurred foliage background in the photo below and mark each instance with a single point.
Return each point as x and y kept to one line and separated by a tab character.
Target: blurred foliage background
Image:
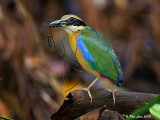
34	77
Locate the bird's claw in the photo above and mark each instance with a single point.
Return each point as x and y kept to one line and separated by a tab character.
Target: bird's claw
113	93
89	93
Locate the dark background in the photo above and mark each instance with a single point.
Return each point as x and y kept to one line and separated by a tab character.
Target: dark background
34	77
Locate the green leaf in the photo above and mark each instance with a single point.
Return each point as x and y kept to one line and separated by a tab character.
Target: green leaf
142	110
5	118
155	110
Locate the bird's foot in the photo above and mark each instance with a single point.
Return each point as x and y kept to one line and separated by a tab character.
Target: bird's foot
88	90
113	93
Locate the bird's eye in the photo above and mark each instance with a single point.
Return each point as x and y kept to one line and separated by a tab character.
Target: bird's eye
71	19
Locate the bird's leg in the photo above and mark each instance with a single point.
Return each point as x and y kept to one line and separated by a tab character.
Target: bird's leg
113	93
88	88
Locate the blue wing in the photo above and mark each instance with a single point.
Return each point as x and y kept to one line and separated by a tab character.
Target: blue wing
84	50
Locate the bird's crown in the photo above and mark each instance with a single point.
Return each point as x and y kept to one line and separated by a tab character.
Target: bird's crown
66	17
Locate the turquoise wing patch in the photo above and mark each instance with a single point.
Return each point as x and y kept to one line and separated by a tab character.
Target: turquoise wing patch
84	50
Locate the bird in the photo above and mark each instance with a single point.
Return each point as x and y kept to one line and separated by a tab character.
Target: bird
92	49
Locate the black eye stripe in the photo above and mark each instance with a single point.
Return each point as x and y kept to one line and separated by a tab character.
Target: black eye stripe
75	22
71	19
79	23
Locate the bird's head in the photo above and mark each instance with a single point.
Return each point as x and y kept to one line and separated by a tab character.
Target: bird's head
70	23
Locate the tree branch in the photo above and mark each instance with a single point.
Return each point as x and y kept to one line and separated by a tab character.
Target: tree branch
78	103
101	114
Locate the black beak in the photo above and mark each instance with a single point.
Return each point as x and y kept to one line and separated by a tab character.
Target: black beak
57	23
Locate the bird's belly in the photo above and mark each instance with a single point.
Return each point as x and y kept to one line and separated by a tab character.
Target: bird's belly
80	57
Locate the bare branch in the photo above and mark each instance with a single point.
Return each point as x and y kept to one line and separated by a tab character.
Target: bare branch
78	103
